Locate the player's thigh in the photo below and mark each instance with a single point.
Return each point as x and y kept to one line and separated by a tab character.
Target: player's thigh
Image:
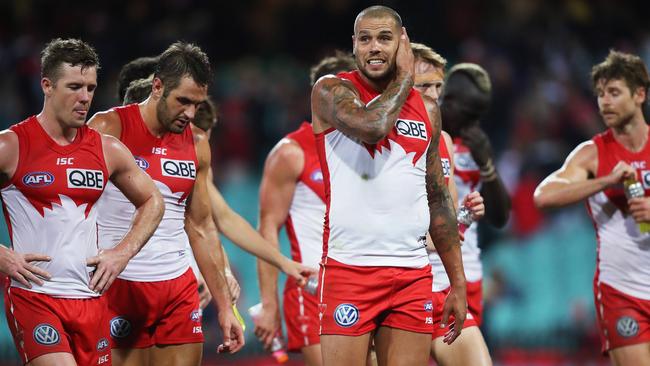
468	349
54	359
130	356
312	355
340	350
188	354
632	355
398	347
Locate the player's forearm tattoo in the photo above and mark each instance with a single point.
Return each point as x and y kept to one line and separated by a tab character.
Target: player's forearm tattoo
443	227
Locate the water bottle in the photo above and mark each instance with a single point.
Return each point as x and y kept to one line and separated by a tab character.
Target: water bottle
464	218
278	350
312	285
634	189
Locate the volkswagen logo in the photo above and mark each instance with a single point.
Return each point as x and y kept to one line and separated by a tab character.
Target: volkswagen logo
346	315
120	327
46	335
627	327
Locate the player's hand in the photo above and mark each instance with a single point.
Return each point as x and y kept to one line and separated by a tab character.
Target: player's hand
233	335
298	271
405	60
233	286
640	209
474	201
456	303
109	264
267	325
621	171
204	293
478	143
18	266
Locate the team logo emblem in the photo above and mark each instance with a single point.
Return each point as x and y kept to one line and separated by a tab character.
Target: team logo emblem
196	316
102	344
645	178
409	128
85	178
46	335
627	327
428	306
120	327
446	167
316	175
346	315
38	179
141	162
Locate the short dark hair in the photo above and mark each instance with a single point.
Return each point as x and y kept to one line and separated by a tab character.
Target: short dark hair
475	73
341	61
183	59
138	91
140	68
378	11
206	115
70	51
625	66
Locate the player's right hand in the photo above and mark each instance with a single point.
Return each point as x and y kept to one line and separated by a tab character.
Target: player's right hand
109	264
456	303
267	325
405	61
233	334
298	271
18	267
621	171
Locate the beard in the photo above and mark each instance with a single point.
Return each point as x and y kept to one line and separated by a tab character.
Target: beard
165	117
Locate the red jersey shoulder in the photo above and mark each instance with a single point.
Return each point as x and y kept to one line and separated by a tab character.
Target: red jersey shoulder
312	175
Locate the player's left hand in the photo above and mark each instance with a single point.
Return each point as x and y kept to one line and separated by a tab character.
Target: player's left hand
233	334
474	201
298	271
108	263
478	143
456	303
640	209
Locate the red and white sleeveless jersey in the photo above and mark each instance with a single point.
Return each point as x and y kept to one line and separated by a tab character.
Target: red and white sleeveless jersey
623	252
377	210
468	179
49	205
171	162
307	212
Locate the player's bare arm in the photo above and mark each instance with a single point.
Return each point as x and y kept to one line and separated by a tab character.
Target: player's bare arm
140	190
336	102
16	265
443	229
281	172
107	122
574	181
206	246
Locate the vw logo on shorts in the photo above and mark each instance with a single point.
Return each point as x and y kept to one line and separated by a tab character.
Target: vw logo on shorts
346	315
46	335
627	326
120	327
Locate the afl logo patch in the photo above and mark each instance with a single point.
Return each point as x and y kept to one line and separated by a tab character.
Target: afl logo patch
102	344
316	175
85	179
195	316
141	162
428	306
38	179
346	315
627	327
120	327
409	128
46	335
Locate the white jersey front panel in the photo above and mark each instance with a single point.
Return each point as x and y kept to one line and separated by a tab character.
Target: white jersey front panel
306	216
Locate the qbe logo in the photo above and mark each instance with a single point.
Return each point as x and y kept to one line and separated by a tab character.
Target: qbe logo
38	179
120	327
645	178
410	128
627	327
46	335
446	167
85	178
346	315
184	169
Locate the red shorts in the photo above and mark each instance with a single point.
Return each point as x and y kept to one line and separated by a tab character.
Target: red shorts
474	308
42	324
143	314
301	318
623	320
356	300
